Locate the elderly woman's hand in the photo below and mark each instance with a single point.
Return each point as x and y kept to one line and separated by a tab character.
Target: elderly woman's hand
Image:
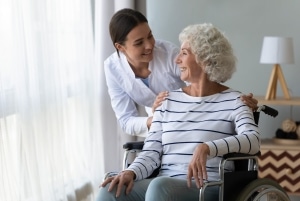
124	178
159	99
197	166
250	101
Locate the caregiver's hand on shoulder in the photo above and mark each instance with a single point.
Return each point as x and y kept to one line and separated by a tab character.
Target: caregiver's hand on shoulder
250	101
159	99
124	178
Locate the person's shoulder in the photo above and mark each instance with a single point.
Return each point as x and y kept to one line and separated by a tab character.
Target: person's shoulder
165	45
176	92
164	42
231	92
112	61
234	94
234	91
174	96
111	58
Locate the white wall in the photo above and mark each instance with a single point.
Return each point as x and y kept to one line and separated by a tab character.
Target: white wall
245	23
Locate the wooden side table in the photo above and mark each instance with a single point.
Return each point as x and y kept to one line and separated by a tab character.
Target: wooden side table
281	162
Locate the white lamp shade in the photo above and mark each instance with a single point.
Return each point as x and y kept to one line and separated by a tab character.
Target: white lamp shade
277	50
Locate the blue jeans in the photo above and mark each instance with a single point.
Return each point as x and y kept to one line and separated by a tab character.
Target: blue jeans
159	189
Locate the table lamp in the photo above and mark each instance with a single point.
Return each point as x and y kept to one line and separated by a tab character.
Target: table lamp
276	51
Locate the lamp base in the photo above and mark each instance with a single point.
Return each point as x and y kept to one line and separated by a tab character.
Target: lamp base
277	75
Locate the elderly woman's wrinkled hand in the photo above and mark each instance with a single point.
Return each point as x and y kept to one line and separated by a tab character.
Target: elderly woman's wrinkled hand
125	178
197	166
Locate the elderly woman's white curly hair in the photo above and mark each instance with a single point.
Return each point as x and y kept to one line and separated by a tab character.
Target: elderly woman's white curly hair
212	49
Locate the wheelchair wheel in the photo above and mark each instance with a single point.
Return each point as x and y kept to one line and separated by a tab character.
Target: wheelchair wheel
263	190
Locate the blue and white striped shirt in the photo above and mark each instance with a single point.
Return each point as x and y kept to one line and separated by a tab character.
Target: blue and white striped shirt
182	122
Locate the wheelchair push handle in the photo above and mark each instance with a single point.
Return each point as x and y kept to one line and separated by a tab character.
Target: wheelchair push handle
133	145
267	110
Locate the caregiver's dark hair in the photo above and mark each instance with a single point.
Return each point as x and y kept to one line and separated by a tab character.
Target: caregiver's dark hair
122	22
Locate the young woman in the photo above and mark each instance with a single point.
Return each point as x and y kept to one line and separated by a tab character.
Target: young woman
193	128
141	71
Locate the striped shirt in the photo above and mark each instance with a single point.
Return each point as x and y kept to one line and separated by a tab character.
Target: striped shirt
182	122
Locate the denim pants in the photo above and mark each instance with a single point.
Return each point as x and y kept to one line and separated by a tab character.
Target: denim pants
159	189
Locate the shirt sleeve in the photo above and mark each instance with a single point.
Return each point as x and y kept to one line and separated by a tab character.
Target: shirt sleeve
124	107
247	138
150	157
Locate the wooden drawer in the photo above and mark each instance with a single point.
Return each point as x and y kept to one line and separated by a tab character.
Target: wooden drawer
282	164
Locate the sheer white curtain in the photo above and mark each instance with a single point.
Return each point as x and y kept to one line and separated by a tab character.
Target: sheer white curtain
50	120
113	135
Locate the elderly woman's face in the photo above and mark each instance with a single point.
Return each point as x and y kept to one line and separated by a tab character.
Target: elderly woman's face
186	60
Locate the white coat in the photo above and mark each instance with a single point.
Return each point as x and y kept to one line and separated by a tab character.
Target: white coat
126	90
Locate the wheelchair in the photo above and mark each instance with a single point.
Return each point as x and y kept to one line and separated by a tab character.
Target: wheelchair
243	180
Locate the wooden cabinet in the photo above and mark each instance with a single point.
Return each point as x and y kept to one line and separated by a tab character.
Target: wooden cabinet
281	162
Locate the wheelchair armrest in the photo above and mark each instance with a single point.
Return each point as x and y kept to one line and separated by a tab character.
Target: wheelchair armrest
241	161
239	155
133	145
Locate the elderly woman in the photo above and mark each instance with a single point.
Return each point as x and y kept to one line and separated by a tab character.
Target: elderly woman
192	129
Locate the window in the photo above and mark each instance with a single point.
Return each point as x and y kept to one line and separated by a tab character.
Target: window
50	140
